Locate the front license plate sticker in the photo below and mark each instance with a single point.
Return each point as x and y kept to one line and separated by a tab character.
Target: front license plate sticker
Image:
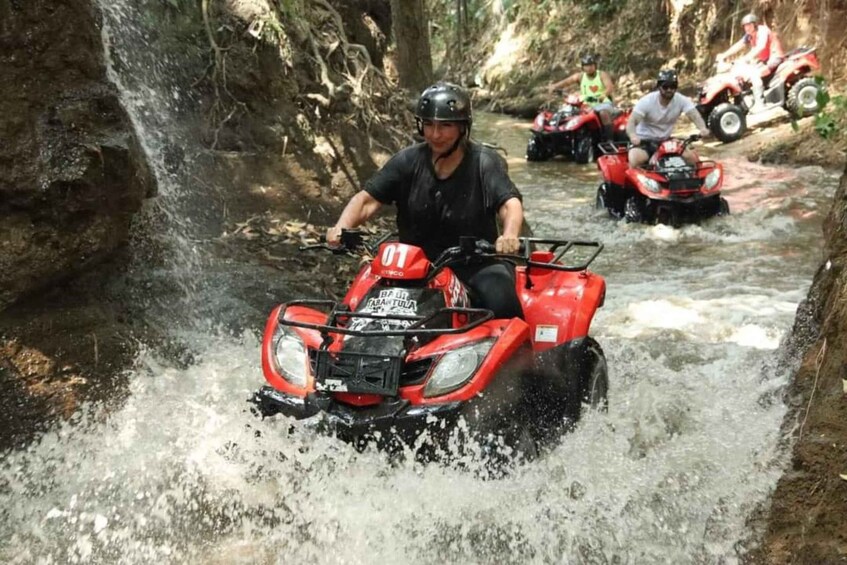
547	334
333	385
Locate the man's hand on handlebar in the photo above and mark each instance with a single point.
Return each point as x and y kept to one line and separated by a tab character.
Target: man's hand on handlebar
507	245
634	140
333	236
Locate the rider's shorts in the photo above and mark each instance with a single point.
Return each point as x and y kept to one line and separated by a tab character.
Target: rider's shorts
650	146
603	106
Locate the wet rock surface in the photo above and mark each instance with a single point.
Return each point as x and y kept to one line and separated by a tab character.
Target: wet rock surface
71	171
807	522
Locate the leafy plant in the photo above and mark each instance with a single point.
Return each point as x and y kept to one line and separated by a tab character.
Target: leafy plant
832	118
180	5
602	9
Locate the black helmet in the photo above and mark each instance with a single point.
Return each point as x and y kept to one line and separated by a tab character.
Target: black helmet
588	59
444	102
749	19
667	77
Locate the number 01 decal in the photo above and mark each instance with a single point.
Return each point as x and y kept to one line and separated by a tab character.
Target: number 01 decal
392	252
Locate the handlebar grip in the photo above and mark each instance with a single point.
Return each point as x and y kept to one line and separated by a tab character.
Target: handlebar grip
486	246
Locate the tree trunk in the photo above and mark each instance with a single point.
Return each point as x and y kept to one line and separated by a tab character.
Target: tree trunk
411	36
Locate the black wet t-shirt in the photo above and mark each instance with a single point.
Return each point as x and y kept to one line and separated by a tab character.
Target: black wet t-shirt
432	213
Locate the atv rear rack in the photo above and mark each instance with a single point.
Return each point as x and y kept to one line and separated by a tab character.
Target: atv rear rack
339	312
559	248
613	147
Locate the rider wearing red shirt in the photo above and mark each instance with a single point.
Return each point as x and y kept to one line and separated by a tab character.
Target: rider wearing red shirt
764	56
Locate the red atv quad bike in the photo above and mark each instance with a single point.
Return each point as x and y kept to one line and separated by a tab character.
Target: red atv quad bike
573	131
667	190
725	99
404	352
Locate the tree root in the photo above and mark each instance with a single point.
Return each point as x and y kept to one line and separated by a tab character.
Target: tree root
225	104
357	73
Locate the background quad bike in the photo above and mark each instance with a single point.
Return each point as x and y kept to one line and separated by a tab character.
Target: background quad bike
551	135
790	86
676	197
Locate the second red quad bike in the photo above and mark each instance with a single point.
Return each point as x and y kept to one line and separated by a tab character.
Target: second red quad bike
404	353
573	131
667	190
725	99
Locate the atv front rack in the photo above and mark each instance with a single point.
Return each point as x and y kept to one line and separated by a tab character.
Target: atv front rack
341	312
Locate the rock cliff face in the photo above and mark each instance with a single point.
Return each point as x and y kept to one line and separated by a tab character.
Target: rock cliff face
808	515
71	170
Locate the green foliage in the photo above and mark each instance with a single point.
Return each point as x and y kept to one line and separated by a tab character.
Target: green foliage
444	19
603	9
829	122
181	5
272	31
291	9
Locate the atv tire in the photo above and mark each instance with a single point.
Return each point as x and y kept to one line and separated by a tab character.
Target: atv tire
728	122
589	384
595	382
632	211
583	152
535	150
802	99
523	442
511	444
600	202
723	207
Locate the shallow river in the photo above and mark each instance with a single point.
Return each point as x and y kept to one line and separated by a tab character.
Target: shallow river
688	452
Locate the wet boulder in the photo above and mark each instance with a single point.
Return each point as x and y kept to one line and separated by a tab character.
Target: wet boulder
72	172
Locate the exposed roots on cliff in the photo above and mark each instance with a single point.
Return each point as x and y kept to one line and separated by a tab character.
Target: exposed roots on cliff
225	105
346	71
331	76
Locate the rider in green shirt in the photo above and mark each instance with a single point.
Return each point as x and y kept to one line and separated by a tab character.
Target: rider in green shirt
595	87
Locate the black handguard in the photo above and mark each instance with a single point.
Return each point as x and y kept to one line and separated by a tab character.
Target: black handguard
691	139
482	247
350	240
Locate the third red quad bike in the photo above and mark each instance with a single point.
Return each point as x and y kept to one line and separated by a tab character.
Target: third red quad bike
667	190
573	130
404	352
725	99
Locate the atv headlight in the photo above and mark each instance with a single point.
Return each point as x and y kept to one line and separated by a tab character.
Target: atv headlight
456	367
291	358
649	183
712	179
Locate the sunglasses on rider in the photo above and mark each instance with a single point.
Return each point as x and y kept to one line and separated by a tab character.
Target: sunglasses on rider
668	86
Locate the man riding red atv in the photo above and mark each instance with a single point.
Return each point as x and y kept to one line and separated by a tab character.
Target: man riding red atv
404	352
573	130
726	98
668	190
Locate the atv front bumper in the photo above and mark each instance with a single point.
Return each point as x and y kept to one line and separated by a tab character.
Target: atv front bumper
397	416
696	205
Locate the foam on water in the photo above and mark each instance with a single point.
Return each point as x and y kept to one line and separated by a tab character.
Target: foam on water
179	473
